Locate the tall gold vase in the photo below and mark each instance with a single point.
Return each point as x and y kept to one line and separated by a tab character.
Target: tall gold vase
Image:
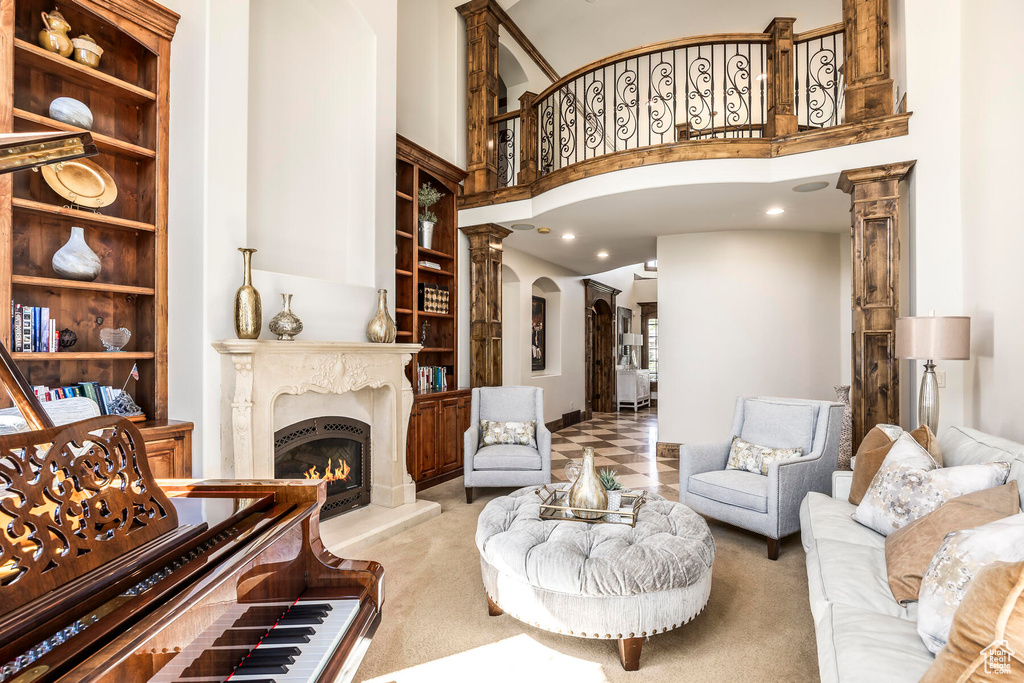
381	329
248	308
588	491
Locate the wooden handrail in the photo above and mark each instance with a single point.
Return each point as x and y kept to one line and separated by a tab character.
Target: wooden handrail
692	41
818	32
505	117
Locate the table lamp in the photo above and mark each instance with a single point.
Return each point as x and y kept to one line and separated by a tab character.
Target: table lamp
631	341
931	338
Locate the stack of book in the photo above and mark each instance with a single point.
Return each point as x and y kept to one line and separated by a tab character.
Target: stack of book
432	378
32	329
103	396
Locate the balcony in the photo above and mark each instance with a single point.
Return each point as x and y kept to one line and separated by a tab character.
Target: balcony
722	96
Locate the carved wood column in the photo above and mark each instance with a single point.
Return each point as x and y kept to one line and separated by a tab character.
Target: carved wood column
527	139
875	294
866	65
781	115
485	303
481	95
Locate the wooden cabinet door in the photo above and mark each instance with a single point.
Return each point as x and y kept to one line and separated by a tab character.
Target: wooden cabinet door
160	455
450	437
423	426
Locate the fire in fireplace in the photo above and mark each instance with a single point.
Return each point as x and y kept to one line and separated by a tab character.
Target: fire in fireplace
335	449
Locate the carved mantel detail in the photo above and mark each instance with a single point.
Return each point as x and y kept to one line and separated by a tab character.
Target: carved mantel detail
255	373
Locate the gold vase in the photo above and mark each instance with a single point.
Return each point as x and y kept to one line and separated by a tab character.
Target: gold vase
588	491
381	328
248	308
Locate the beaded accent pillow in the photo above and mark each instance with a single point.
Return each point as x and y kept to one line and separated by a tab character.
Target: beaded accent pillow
749	457
494	433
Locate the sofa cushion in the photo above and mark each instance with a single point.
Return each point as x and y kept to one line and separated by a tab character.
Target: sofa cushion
909	485
963	446
822	516
516	404
507	457
732	487
854	575
857	645
908	551
777	424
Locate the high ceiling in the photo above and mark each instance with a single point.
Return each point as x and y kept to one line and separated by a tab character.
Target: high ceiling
571	33
627	225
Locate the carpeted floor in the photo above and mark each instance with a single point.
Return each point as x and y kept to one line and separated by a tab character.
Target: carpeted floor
757	625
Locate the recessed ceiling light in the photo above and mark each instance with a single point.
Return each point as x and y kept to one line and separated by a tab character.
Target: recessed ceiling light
813	186
521	226
602	254
568	236
543	231
775	212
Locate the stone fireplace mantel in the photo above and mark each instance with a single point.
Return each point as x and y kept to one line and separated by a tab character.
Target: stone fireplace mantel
255	373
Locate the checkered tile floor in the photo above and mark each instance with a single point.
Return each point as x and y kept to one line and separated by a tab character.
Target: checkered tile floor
625	442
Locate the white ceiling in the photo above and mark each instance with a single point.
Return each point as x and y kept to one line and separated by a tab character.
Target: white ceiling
627	225
572	33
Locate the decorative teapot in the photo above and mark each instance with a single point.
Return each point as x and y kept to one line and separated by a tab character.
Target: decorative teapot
87	52
54	36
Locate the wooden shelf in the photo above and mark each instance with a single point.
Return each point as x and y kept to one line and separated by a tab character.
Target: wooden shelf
403	333
406	235
438	254
435	270
402	195
406	273
403	310
79	216
83	355
104	143
47	62
437	350
32	281
434	315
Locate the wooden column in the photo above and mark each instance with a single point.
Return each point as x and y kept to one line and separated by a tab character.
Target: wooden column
781	115
481	95
875	294
527	139
869	92
485	303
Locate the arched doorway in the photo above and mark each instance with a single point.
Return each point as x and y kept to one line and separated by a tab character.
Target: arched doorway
600	347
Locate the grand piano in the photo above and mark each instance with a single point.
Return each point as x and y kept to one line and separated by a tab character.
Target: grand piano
108	575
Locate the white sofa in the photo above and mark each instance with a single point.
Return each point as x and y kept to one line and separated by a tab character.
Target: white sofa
863	634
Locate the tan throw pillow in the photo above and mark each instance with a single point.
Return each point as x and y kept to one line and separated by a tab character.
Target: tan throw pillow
986	640
872	451
909	550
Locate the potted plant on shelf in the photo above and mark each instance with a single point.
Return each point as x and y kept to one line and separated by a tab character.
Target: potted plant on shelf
613	489
428	196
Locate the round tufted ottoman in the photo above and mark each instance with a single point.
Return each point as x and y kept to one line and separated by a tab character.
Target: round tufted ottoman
606	581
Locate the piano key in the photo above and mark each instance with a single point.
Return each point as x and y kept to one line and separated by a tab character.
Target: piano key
291	619
264	651
310	607
268	668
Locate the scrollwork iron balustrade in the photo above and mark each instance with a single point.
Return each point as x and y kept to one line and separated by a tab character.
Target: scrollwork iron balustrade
818	81
508	151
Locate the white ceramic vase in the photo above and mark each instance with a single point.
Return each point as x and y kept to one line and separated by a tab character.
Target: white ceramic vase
75	260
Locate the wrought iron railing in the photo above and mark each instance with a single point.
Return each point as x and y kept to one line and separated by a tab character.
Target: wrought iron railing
818	77
705	88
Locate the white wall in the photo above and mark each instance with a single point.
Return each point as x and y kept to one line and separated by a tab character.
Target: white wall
210	213
993	239
743	313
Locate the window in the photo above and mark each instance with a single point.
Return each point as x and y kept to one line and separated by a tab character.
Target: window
652	348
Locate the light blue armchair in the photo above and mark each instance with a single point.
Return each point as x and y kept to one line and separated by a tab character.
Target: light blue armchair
767	505
506	464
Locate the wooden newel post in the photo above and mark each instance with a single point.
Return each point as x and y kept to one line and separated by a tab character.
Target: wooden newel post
485	251
875	198
481	95
869	91
781	115
528	170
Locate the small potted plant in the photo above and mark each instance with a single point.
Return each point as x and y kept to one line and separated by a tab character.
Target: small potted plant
613	489
428	196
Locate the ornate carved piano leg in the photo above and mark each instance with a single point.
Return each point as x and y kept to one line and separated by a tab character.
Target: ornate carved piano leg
492	609
629	653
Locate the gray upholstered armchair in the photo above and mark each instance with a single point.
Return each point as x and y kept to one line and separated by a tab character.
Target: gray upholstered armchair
768	505
506	464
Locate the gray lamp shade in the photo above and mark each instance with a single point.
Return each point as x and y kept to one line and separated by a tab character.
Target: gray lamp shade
934	337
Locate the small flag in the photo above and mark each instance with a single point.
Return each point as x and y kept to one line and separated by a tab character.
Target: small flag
135	371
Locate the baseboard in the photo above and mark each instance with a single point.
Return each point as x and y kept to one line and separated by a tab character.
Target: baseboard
555	425
667	450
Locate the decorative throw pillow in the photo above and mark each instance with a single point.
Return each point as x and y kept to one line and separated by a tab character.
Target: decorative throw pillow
909	550
986	641
962	555
744	455
493	433
909	485
875	447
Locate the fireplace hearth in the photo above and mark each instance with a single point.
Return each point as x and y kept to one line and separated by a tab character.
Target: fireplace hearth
336	449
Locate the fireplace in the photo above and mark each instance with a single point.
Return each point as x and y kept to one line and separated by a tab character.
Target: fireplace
336	449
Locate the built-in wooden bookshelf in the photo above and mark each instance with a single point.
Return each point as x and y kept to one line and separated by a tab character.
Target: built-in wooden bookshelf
129	99
438	418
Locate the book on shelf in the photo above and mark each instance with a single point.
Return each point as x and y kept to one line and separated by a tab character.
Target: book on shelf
102	395
32	329
430	264
432	378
